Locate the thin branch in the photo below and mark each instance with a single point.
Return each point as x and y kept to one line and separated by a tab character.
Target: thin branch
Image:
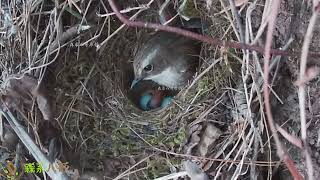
173	176
258	163
292	139
302	92
103	44
281	151
123	174
199	37
237	18
127	10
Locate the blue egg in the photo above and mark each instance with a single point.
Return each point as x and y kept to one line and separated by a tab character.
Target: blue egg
166	101
144	102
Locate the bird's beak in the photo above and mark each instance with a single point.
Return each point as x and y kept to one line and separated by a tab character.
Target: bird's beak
135	81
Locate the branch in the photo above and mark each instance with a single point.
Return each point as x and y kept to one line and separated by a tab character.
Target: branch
199	37
302	91
281	151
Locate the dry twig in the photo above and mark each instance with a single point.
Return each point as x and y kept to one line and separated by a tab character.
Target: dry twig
302	91
282	152
192	35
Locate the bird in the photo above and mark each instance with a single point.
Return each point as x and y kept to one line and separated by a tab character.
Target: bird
166	101
168	59
153	99
149	101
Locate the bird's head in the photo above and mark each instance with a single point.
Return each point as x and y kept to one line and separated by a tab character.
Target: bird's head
166	59
149	64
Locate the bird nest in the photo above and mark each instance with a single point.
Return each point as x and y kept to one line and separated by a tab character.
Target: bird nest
217	120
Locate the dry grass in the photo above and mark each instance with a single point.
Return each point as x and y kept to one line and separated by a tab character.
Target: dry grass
89	75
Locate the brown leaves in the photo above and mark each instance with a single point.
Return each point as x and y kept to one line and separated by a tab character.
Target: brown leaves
203	142
112	165
19	91
210	135
8	138
194	172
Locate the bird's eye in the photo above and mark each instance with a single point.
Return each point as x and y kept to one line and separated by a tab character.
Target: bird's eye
148	68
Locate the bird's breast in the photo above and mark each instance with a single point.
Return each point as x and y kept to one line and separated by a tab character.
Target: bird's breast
169	77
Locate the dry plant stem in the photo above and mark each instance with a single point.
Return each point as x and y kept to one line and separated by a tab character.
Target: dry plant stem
192	35
85	12
58	43
257	84
292	139
258	163
32	147
237	18
72	103
103	44
173	176
122	175
202	74
281	151
302	91
230	19
70	33
124	11
264	21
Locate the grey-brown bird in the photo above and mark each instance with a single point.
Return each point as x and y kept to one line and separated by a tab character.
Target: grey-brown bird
167	59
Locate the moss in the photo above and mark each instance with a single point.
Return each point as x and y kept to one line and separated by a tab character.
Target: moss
176	139
158	167
123	141
188	10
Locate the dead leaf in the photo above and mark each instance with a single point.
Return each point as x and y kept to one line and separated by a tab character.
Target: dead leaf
194	172
18	90
8	138
47	131
210	135
194	138
112	166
